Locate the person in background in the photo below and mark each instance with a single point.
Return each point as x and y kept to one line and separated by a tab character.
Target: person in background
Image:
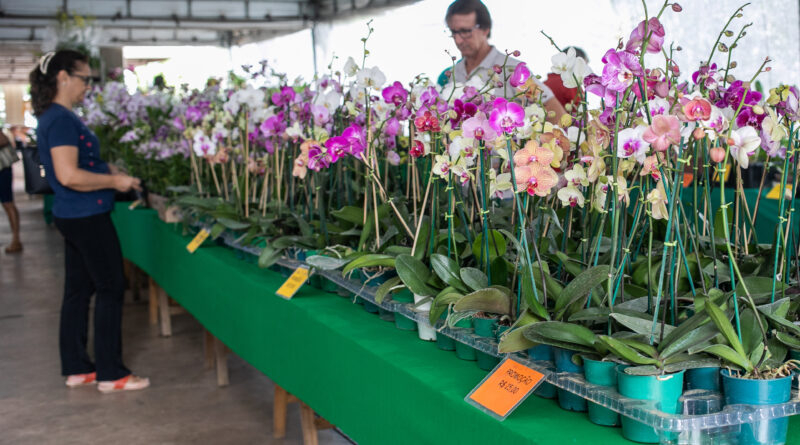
563	94
8	156
83	188
471	26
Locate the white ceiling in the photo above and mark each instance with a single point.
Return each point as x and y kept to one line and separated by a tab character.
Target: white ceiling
26	24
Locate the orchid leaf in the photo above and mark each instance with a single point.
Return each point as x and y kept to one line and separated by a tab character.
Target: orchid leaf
780	308
322	262
593	314
269	256
515	341
625	352
414	274
580	286
440	303
690	339
568	333
642	347
725	327
489	300
727	354
474	278
216	230
640	326
788	340
385	288
369	260
448	271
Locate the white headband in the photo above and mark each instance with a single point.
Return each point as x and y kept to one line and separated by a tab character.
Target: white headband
45	61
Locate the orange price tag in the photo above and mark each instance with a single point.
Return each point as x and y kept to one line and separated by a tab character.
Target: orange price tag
505	388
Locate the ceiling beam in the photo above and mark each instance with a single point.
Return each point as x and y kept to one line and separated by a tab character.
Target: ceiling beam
166	22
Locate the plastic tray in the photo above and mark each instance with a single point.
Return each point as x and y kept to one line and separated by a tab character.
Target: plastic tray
701	421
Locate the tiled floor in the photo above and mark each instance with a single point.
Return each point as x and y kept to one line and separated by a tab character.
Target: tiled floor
183	405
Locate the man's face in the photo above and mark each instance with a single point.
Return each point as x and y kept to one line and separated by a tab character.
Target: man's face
469	39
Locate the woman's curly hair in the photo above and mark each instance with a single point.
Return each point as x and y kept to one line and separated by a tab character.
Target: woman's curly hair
44	84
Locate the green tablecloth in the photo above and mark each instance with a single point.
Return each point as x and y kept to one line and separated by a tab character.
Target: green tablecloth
378	384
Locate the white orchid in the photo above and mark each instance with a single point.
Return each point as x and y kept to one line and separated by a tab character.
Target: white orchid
572	69
576	176
464	148
203	145
570	196
370	78
745	141
350	67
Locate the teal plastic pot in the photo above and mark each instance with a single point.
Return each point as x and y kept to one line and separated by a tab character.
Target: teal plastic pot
544	353
604	374
401	321
759	392
702	378
487	328
564	363
664	389
795	355
464	352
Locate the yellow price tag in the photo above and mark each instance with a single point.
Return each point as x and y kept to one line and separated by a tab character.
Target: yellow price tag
198	240
775	192
728	169
294	283
135	204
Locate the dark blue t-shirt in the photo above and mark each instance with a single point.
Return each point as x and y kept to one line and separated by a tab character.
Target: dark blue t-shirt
60	126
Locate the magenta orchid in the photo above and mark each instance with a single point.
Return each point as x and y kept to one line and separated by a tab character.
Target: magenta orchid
506	116
395	94
520	75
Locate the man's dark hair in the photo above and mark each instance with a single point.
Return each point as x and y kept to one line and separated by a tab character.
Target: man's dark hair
463	7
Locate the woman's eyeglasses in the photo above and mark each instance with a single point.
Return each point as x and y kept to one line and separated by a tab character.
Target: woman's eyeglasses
87	80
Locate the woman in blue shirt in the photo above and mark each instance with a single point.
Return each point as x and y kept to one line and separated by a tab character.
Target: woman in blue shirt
84	188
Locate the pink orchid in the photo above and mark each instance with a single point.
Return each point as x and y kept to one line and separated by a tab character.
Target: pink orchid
506	116
321	114
663	132
533	154
478	127
537	179
697	110
520	75
656	32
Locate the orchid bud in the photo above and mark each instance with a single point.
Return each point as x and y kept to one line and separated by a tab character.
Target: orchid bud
499	84
730	141
728	33
698	133
676	7
769	68
733	64
717	154
497	69
758	109
516	53
730	78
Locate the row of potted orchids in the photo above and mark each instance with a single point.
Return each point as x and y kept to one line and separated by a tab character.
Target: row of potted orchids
618	239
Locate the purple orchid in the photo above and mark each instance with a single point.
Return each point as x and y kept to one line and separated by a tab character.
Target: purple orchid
594	84
656	32
789	107
357	139
319	157
392	127
620	71
338	147
520	75
283	97
506	116
395	94
273	126
462	111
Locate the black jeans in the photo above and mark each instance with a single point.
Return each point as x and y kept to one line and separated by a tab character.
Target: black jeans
93	263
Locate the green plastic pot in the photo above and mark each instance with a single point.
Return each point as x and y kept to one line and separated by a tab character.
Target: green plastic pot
601	373
544	353
664	389
465	352
370	307
759	392
486	328
564	360
444	342
401	321
702	378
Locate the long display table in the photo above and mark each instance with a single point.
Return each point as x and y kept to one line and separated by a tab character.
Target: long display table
379	384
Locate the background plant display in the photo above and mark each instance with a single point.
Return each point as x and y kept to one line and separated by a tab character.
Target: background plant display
610	232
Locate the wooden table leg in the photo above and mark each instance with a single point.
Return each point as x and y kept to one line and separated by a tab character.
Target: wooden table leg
309	425
163	310
153	301
220	356
279	406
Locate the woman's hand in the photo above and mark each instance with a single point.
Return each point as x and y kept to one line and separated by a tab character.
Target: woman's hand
124	183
